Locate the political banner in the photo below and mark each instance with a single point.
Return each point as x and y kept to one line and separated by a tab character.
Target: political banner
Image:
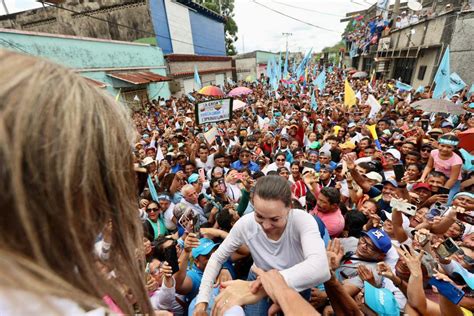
213	111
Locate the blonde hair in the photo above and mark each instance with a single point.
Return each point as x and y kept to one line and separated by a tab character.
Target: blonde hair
66	170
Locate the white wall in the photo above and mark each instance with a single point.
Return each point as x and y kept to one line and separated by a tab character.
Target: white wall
180	27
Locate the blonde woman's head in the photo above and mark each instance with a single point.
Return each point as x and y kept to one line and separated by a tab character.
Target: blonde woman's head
65	171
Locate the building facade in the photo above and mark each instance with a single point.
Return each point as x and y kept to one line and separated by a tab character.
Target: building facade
176	26
252	65
132	70
213	70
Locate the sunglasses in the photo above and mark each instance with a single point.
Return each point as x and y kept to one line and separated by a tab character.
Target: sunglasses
425	150
280	159
155	209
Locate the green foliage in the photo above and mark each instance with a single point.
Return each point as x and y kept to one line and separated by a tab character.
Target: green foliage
226	9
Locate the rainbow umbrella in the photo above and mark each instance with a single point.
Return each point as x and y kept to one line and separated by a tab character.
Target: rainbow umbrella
212	91
239	91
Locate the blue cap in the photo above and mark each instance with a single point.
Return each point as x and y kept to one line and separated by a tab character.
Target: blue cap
466	275
391	181
193	178
205	247
380	239
381	301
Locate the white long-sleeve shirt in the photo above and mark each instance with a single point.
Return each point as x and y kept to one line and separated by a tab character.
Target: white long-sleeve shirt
299	254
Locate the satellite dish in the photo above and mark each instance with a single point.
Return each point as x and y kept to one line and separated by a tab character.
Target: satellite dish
414	5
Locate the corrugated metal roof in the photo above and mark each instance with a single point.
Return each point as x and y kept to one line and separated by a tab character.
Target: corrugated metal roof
138	77
96	83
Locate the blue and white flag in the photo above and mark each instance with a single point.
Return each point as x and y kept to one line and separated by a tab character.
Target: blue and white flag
151	186
330	70
420	89
456	83
190	97
285	67
197	80
442	78
402	86
314	104
320	81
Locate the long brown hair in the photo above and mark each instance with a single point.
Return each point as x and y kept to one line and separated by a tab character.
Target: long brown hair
65	171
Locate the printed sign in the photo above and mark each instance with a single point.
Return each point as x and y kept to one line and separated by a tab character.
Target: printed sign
213	111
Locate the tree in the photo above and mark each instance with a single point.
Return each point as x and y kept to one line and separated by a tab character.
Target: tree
226	9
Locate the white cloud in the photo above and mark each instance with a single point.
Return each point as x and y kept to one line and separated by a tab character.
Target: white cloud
261	28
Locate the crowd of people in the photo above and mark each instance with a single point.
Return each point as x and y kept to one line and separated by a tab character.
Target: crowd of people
292	208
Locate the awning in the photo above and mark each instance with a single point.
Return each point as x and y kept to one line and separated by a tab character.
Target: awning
138	78
98	84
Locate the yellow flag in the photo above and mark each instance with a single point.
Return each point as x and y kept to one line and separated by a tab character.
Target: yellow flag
349	95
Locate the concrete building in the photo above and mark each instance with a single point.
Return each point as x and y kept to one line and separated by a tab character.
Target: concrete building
252	64
213	70
413	54
177	26
131	69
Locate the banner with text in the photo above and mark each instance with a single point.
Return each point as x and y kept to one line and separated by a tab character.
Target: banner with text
213	111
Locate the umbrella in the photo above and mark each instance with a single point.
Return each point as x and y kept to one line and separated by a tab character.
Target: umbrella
212	91
360	74
438	106
352	71
239	91
237	105
466	139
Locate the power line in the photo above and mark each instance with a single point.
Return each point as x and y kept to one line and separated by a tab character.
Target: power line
131	28
311	10
296	19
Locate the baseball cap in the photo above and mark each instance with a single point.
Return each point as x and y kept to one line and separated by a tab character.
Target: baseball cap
285	137
205	247
347	145
193	178
325	153
147	161
390	181
436	131
382	301
421	185
446	124
251	138
380	239
395	153
351	125
374	176
326	167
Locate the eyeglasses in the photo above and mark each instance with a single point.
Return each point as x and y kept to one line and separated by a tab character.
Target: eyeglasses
155	209
425	150
280	159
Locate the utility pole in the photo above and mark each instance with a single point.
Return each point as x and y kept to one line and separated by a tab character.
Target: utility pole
396	8
5	7
287	35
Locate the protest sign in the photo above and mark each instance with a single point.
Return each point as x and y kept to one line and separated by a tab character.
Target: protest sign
213	111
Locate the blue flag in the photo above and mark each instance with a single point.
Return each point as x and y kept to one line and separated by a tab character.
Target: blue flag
190	97
285	67
471	91
420	89
330	70
456	83
314	104
304	63
293	67
402	86
320	81
197	80
442	79
151	186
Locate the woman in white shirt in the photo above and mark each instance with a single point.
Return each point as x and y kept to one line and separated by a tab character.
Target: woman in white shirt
280	161
278	238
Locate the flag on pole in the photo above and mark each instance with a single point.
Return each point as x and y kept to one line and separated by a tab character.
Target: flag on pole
159	154
285	66
420	89
349	95
471	91
151	186
374	106
372	80
359	96
320	80
456	83
314	104
402	86
197	80
442	79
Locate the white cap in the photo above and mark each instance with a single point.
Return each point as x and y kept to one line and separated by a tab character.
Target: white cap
395	153
147	161
374	176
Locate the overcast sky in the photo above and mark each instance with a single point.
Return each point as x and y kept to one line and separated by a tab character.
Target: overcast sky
261	28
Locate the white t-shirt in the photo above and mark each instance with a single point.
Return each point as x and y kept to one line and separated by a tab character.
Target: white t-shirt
168	217
208	165
299	254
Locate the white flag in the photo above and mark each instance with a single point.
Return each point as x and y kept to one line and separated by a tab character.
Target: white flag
159	155
374	106
359	96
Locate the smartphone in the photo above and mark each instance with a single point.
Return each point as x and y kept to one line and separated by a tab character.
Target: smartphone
172	258
399	172
218	140
448	290
403	207
196	226
467	217
425	124
186	218
438	209
202	174
239	176
447	248
443	190
308	164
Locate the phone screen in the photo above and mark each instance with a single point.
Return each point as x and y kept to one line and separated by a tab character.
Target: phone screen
172	258
399	172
